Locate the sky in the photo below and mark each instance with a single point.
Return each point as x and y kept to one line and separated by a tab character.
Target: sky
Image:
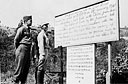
12	11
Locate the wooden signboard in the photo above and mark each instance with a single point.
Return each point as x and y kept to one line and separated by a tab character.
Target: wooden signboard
81	64
95	23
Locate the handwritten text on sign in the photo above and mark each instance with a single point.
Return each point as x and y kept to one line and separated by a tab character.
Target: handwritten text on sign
96	23
80	65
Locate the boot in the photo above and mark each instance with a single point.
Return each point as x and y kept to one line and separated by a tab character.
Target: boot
40	77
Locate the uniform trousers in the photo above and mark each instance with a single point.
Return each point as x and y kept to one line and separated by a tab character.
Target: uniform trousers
23	63
40	69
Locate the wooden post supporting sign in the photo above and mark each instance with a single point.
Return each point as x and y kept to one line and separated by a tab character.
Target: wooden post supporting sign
61	74
108	75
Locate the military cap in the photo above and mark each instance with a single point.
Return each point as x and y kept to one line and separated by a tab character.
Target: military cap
46	24
26	18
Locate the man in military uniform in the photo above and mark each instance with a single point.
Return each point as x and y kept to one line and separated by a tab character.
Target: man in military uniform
43	53
22	43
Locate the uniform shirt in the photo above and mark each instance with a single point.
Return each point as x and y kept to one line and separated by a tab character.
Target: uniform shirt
42	43
23	36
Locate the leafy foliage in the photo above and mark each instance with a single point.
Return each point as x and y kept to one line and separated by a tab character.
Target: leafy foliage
118	58
101	57
6	51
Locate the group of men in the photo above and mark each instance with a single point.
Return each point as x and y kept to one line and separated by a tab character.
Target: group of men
23	43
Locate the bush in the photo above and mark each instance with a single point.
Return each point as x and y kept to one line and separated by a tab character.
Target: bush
6	51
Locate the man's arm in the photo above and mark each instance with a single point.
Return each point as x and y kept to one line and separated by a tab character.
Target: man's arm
18	37
46	40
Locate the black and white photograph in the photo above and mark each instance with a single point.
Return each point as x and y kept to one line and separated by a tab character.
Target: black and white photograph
63	42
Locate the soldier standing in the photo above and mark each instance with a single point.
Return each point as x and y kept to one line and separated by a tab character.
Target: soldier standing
43	53
22	43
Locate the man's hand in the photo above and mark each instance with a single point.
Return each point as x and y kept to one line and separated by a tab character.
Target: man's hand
42	57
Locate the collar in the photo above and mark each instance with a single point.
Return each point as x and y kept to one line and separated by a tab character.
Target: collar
25	26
